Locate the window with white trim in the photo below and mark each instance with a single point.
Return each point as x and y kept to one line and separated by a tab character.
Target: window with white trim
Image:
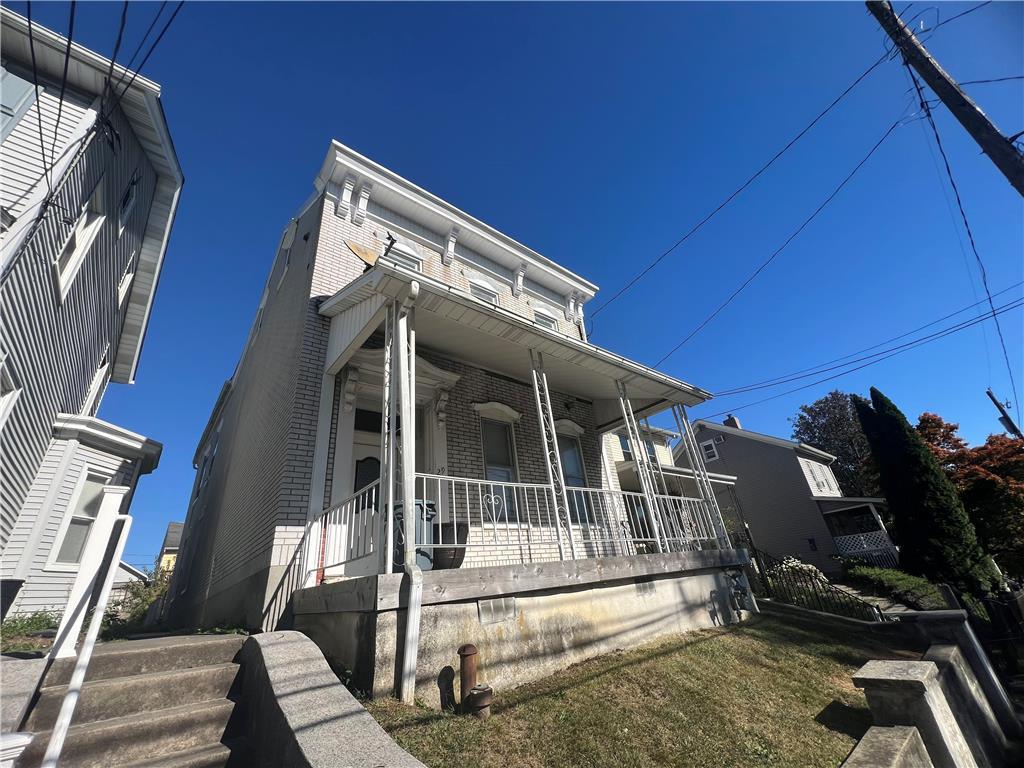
99	383
124	287
499	467
9	390
80	522
127	204
709	450
545	320
87	226
17	95
404	256
483	293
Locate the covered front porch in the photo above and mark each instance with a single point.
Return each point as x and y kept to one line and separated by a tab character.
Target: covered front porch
503	439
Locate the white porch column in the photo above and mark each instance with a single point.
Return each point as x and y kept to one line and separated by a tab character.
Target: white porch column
643	468
700	475
552	456
88	571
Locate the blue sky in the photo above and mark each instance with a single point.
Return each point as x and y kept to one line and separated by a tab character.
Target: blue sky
596	134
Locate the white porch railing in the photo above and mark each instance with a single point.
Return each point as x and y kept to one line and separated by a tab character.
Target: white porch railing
348	537
480	522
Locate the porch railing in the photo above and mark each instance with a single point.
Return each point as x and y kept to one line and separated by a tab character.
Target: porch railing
348	532
874	547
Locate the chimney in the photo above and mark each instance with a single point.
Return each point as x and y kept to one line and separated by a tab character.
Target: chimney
732	421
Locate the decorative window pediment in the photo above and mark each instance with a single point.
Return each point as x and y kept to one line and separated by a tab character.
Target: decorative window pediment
498	412
568	427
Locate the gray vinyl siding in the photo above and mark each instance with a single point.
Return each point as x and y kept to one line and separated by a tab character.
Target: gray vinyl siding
54	347
775	498
46	506
20	156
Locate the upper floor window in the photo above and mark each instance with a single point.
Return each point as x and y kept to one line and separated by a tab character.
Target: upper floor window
9	391
709	450
545	320
17	95
404	256
483	293
128	198
87	226
627	451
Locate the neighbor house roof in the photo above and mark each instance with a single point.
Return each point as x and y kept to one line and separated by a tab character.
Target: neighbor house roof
778	441
172	538
87	72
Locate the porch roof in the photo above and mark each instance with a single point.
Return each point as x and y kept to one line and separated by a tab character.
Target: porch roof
458	325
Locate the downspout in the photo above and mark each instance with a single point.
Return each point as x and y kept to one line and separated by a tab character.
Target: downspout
406	343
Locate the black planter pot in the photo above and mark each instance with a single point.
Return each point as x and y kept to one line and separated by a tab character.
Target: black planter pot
446	558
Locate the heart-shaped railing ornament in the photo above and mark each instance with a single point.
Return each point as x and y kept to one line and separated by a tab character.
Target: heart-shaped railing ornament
493	502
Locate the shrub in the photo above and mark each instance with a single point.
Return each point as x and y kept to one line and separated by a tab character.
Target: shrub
14	632
913	591
128	614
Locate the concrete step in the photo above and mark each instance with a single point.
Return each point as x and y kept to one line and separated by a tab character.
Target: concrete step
125	658
120	696
121	741
213	756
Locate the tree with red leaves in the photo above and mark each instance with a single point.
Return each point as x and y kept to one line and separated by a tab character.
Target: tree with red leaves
989	479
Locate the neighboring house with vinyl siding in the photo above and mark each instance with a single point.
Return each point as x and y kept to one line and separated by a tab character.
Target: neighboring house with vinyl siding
85	228
789	499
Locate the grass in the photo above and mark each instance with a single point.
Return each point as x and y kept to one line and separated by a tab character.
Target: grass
762	694
913	591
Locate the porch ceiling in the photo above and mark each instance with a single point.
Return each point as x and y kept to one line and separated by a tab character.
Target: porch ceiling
458	325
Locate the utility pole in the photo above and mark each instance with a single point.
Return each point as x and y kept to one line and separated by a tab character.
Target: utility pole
1004	417
999	148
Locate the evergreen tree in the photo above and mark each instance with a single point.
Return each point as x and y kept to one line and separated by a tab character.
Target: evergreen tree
937	539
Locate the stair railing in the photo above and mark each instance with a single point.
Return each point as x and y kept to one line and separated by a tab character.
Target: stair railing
103	581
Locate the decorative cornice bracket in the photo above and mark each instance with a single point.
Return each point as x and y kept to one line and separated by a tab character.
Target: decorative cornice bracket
517	280
359	215
449	249
345	201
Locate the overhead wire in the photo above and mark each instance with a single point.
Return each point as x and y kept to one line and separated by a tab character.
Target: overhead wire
967	228
764	265
822	367
39	105
1016	304
63	82
693	230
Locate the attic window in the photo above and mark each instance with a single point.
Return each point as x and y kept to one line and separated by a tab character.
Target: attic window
483	293
87	226
545	320
404	256
710	452
128	199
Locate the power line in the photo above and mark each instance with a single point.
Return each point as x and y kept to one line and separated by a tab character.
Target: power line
1018	303
969	10
63	82
742	187
993	80
782	247
967	226
821	367
117	49
39	106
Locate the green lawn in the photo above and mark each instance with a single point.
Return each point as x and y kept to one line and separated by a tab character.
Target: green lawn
767	693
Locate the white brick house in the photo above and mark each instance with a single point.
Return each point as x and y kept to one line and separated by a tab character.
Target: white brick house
402	344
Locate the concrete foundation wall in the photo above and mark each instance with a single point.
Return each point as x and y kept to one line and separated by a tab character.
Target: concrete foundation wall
527	621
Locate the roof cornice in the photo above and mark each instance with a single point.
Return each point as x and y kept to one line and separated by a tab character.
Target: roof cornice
108	437
345	168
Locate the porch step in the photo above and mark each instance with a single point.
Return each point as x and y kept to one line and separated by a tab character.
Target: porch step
137	737
213	756
159	654
120	696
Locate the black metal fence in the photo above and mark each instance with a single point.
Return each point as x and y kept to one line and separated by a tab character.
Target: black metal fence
795	583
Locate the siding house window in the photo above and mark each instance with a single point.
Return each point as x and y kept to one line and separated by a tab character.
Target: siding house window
17	95
83	515
124	287
710	452
499	467
87	226
574	476
9	391
124	210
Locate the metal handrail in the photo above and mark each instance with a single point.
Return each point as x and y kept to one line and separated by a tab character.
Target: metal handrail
344	533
